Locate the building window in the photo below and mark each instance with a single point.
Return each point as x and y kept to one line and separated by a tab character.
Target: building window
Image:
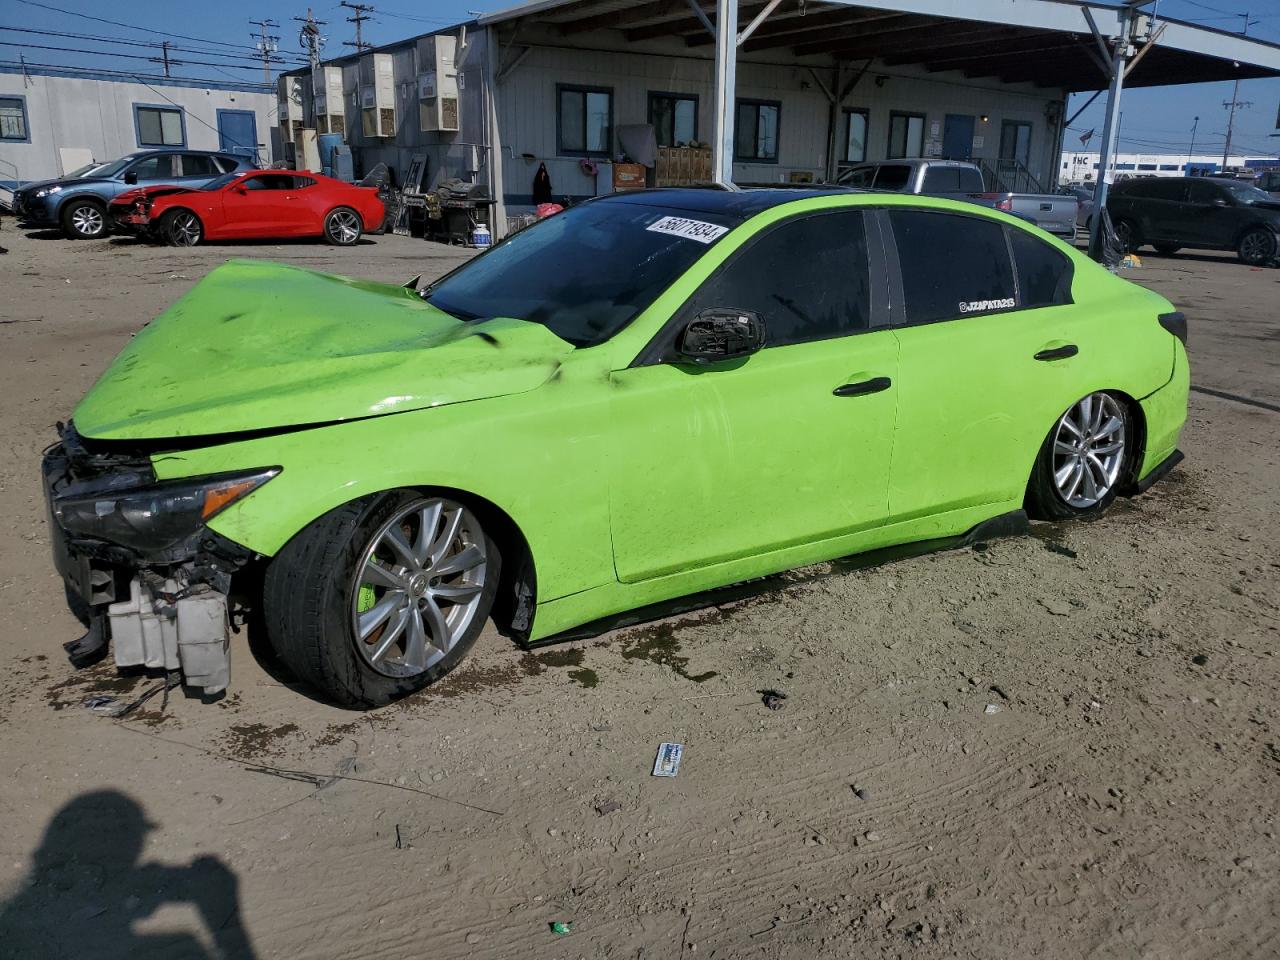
906	135
159	126
1146	166
1170	166
755	135
674	117
13	120
856	123
1015	141
584	121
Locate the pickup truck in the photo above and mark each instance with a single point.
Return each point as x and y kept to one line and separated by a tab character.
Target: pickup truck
955	180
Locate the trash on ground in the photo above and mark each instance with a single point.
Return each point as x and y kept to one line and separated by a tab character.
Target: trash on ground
773	699
992	708
608	807
667	763
561	927
861	793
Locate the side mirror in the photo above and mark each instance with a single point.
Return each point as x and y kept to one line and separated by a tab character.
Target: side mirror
131	178
718	334
1221	202
242	191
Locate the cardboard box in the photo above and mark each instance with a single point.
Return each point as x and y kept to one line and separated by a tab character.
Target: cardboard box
628	176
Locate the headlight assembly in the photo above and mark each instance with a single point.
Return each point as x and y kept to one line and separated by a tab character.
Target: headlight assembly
154	517
45	191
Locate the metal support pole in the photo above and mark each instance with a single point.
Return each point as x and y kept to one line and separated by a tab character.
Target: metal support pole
1110	130
723	103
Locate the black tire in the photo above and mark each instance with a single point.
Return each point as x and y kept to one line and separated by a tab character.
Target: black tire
343	227
1258	247
1127	232
182	228
1166	249
308	595
1045	502
84	219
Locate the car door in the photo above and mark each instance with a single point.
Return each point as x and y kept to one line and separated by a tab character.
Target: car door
154	170
986	362
1215	214
713	462
261	205
198	169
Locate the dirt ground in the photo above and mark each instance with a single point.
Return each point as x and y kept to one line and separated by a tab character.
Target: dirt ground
1065	745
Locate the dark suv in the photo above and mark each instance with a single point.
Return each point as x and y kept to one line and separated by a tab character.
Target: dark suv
78	202
1203	212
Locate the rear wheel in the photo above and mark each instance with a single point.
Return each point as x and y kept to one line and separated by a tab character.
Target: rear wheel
1082	461
342	227
1258	246
1166	249
382	596
84	220
182	228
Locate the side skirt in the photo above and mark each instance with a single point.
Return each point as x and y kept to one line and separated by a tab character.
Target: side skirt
1011	524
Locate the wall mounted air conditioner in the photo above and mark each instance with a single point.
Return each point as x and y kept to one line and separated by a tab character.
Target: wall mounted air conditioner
289	110
377	96
326	94
437	84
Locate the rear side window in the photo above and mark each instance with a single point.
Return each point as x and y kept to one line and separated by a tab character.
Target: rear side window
1167	189
156	167
942	180
893	176
860	177
198	165
807	278
952	265
1044	274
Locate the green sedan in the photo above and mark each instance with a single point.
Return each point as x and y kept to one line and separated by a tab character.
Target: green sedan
645	397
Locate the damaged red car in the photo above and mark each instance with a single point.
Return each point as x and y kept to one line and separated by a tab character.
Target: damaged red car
254	205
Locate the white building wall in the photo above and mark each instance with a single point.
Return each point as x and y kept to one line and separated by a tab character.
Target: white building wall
527	111
97	115
1078	165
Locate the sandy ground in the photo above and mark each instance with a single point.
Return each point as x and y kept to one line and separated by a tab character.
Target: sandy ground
1121	801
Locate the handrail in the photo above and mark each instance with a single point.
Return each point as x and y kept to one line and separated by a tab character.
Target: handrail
1007	175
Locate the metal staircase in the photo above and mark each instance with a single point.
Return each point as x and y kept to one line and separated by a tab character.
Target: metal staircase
1008	176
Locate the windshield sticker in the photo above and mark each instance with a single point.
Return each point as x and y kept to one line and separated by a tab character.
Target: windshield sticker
977	306
698	230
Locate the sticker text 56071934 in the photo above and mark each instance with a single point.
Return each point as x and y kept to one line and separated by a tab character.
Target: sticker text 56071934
698	230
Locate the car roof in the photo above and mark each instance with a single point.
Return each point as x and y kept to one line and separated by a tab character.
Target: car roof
737	204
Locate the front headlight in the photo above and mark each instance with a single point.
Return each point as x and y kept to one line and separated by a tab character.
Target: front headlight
155	517
45	191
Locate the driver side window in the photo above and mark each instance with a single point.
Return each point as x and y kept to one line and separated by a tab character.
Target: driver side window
807	278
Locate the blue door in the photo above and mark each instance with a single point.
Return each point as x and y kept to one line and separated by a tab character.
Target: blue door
957	137
238	133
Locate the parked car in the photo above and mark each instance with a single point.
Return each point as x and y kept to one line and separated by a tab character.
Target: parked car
1083	193
645	396
255	205
956	180
1206	213
1269	181
77	203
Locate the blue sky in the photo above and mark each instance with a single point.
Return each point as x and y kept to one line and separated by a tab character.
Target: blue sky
216	43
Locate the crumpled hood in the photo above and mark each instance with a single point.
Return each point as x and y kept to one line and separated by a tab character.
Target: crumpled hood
259	345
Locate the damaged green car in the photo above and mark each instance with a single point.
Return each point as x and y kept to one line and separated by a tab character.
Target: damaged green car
642	398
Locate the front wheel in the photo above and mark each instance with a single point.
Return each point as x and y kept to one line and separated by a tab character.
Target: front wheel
1082	461
381	597
1127	234
1166	249
1258	246
342	227
84	220
182	228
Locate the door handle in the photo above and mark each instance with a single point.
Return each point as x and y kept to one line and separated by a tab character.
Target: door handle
863	387
1058	353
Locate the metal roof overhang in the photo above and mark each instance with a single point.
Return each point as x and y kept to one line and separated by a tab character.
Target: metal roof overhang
1044	42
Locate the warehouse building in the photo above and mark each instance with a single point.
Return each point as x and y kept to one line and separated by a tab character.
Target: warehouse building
572	85
55	119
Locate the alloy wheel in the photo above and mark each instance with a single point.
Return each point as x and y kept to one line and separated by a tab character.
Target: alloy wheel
1256	247
1088	450
344	227
186	230
88	220
418	587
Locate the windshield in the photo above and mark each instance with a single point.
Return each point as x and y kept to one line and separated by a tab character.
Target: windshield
217	183
584	273
1246	192
114	167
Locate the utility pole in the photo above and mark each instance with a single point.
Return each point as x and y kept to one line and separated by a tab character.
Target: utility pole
363	12
1195	123
164	52
309	37
1235	98
266	45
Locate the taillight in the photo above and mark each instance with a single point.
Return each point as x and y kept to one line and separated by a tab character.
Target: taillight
1006	204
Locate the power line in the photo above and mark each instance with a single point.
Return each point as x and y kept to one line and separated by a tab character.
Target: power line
363	12
120	56
127	26
63	34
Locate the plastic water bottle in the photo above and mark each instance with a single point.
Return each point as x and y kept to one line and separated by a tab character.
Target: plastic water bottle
480	236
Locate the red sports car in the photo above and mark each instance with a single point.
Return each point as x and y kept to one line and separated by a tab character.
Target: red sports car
257	204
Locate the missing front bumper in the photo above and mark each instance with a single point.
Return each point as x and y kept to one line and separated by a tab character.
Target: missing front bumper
162	626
